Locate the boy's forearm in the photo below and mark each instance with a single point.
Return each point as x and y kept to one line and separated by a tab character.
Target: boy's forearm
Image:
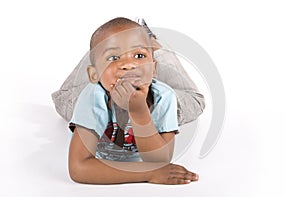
151	145
112	172
154	148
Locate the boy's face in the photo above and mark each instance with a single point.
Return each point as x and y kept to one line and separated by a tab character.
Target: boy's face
124	54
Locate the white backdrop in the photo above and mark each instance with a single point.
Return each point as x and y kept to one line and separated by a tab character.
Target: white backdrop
254	44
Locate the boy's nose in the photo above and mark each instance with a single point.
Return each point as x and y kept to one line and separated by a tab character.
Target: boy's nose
127	66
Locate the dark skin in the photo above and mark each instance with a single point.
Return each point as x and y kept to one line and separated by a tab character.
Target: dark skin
155	149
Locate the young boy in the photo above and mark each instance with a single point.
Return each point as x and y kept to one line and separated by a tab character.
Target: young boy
190	101
121	80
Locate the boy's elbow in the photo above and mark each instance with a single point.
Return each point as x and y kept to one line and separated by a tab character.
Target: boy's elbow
76	172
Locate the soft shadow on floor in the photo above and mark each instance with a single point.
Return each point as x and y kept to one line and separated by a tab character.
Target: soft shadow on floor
50	131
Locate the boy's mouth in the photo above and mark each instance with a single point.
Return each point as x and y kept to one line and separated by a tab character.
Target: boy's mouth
129	76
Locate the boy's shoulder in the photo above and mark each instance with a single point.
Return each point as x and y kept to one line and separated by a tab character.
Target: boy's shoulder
93	90
92	95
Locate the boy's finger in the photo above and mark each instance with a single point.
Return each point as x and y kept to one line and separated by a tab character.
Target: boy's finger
195	177
140	84
185	176
115	94
121	90
128	87
176	181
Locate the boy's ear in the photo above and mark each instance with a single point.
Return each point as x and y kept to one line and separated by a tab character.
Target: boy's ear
93	75
154	69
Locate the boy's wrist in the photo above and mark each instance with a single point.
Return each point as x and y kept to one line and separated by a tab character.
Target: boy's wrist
140	115
153	167
140	118
143	129
149	175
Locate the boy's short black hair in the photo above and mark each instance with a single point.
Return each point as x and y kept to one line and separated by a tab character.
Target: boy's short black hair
119	21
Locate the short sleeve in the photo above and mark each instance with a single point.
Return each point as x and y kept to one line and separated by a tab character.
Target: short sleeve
164	113
91	110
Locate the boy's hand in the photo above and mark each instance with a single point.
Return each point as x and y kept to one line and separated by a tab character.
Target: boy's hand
121	93
130	94
138	99
172	174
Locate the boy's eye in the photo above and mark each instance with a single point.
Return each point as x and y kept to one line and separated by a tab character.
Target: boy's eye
139	55
113	58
